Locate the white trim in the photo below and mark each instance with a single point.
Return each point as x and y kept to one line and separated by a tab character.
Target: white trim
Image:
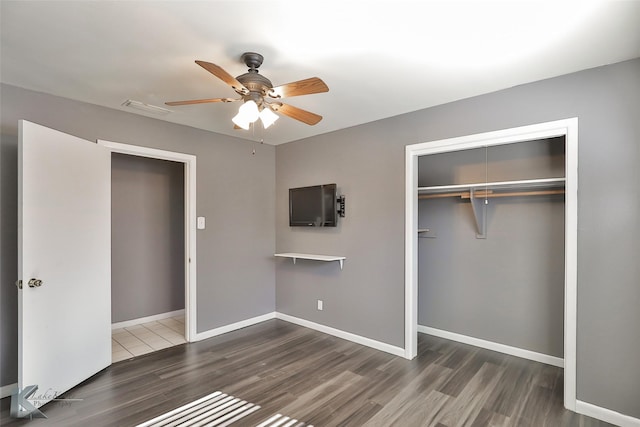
190	270
567	128
411	256
397	351
494	346
8	390
571	264
606	415
141	320
499	137
233	326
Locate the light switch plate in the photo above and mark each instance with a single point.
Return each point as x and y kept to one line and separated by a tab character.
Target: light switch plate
201	223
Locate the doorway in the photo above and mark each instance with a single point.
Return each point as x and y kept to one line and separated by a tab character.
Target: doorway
147	255
189	214
562	128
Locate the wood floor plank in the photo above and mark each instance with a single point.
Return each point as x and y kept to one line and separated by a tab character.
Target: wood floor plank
463	410
467	369
511	389
420	410
321	380
319	402
414	398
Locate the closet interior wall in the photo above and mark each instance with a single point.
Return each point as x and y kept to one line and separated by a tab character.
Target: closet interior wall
508	287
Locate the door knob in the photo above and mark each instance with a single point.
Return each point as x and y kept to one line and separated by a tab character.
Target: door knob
35	283
19	284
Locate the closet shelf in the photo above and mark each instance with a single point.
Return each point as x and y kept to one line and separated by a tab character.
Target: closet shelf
478	193
541	184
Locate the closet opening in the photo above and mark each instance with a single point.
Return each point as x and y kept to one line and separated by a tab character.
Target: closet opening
491	226
491	248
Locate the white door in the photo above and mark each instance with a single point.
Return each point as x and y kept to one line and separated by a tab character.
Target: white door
64	226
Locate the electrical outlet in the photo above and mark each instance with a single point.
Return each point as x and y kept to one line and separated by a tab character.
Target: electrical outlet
320	304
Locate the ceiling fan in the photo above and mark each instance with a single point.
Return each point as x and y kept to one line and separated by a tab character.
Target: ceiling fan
260	98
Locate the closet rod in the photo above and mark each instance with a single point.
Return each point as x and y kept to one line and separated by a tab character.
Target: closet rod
490	194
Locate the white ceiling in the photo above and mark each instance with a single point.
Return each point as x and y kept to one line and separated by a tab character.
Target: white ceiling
379	58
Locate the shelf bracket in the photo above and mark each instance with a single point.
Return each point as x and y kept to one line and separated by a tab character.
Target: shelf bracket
479	206
339	260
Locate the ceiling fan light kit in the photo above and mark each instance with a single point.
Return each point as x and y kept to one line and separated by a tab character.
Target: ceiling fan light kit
268	117
247	114
250	113
255	90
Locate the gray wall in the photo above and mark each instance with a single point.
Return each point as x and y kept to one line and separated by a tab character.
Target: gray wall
235	192
367	162
524	160
147	237
366	298
506	288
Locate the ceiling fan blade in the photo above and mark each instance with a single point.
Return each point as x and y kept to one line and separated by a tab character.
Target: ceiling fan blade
224	76
301	87
296	113
202	101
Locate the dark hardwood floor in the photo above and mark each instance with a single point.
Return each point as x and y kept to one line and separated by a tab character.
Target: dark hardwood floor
323	381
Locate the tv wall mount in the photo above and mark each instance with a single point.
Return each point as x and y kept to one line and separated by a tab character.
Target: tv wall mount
341	209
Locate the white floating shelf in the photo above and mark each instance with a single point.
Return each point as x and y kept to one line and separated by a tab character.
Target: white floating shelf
314	257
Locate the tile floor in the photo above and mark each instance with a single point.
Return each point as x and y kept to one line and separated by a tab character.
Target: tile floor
141	339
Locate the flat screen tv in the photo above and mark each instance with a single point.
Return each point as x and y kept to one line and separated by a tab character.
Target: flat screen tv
313	206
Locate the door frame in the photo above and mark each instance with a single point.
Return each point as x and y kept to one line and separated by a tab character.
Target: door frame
190	270
567	128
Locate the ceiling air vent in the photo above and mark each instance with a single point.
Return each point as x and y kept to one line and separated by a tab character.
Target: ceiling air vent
145	107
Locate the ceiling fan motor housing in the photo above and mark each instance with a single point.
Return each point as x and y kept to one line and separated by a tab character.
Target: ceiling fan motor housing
255	82
258	85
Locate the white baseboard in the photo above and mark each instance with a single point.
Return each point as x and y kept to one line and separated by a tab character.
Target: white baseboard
8	390
489	345
397	351
233	326
606	415
147	319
